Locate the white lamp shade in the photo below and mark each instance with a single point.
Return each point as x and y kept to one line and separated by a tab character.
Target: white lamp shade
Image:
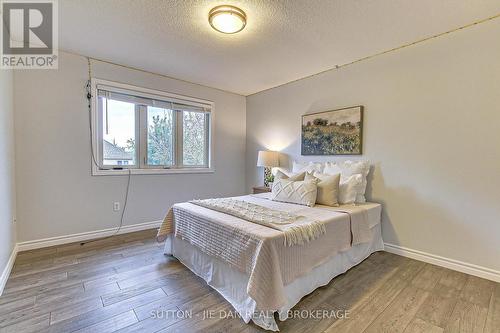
267	158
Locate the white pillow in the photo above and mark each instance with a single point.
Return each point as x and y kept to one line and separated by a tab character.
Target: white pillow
275	171
290	176
347	188
349	168
297	192
332	168
307	167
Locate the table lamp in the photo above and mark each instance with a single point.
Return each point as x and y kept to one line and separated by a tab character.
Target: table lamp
267	159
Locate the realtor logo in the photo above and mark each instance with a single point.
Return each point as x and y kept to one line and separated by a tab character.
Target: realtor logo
29	34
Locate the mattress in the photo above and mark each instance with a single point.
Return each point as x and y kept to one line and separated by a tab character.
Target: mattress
232	283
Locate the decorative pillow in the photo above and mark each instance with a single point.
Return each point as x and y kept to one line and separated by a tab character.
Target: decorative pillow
349	168
297	192
280	175
275	170
328	189
349	189
332	168
293	177
307	167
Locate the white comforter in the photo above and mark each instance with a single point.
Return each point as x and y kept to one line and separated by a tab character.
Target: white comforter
259	251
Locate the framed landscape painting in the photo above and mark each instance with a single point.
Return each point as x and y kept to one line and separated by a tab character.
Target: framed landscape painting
336	132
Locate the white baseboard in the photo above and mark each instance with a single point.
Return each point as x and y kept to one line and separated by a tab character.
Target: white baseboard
8	267
46	242
482	272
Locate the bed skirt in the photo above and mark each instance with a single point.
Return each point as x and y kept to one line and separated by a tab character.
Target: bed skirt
232	284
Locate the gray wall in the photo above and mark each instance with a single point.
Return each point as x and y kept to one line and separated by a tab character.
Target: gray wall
7	184
56	193
432	131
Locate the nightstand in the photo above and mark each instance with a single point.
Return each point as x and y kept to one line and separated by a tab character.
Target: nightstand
261	189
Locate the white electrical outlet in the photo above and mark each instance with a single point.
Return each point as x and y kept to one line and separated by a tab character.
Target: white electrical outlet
116	206
14	220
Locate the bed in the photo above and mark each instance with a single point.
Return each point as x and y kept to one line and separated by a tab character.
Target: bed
252	267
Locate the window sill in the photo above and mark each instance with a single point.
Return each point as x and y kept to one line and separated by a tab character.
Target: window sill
101	172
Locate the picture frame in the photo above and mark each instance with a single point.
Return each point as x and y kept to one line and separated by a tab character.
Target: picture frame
333	132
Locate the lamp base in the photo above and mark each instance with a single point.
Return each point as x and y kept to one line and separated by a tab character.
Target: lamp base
267	175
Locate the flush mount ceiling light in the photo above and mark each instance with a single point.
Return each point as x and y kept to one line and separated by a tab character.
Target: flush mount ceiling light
227	19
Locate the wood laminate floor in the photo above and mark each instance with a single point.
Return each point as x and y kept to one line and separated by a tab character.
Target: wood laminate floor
125	284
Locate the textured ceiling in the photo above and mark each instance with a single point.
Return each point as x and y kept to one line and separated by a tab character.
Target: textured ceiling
283	40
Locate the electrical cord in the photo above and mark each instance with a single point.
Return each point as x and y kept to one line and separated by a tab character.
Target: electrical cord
121	216
89	98
88	88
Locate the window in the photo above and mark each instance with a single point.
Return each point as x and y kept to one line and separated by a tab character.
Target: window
149	131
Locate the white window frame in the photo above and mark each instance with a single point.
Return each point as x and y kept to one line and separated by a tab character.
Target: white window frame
141	133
